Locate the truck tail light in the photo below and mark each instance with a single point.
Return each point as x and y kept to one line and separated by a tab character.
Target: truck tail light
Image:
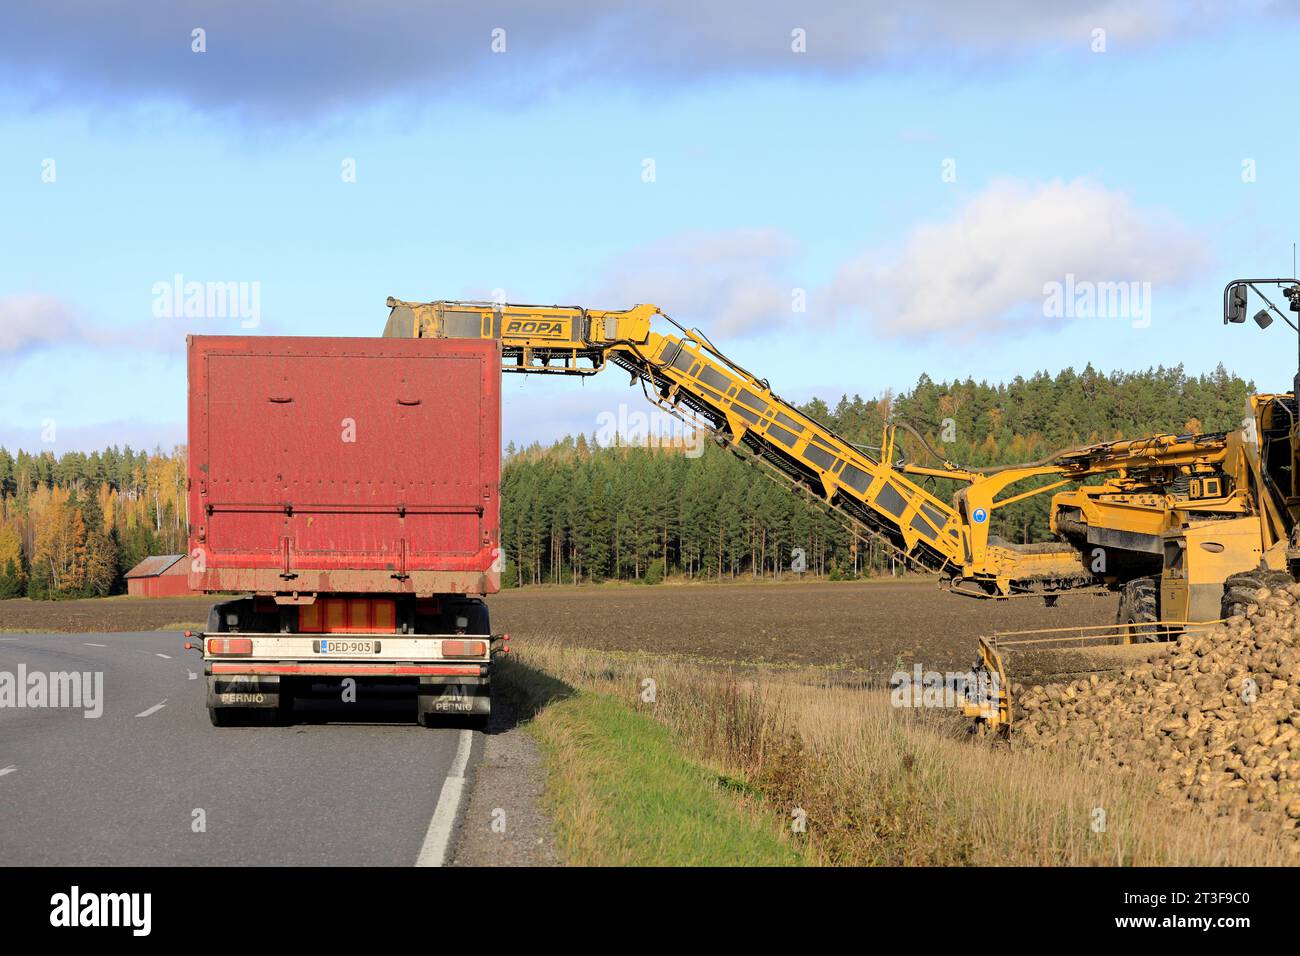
463	648
230	646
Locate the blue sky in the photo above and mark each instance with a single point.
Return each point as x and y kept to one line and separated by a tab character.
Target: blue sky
920	182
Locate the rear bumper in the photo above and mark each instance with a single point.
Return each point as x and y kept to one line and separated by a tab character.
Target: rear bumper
273	669
348	669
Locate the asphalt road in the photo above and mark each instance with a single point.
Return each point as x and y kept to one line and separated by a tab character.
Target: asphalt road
125	788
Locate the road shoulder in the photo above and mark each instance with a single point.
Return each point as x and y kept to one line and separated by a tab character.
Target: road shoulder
502	823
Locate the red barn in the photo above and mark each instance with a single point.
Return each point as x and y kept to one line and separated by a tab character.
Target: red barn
162	575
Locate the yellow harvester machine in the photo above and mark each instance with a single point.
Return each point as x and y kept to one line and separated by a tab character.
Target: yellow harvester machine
1184	527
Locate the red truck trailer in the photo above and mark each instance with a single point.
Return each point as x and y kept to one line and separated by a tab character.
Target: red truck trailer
347	490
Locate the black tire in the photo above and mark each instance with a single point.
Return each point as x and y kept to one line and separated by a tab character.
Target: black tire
1239	589
434	718
1139	603
228	716
454	721
248	716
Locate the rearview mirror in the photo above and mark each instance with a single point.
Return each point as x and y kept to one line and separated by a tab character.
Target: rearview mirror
1236	310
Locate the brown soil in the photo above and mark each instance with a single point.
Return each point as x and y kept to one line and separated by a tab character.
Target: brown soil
100	615
869	625
862	625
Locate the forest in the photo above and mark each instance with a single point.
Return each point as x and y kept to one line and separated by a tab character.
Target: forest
574	512
73	526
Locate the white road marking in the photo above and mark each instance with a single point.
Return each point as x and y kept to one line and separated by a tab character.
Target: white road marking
193	676
433	851
165	657
9	769
152	710
88	644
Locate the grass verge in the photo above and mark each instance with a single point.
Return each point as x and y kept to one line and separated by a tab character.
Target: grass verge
622	793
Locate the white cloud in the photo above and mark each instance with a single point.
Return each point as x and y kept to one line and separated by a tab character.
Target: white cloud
34	321
986	267
728	283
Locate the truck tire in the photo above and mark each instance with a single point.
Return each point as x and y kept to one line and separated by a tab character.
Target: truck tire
463	721
1239	589
228	716
1139	603
250	716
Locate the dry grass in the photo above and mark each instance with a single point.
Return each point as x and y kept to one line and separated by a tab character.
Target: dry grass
622	793
886	786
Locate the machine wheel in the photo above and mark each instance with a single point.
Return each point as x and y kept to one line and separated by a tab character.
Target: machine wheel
1139	603
1239	589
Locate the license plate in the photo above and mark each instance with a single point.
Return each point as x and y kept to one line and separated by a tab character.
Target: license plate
347	647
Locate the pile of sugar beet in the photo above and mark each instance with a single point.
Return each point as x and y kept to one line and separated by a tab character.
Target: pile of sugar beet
1218	718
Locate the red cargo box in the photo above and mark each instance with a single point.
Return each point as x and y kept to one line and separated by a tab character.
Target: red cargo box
344	465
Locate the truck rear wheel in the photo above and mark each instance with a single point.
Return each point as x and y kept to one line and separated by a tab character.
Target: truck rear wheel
1139	603
250	716
465	721
229	716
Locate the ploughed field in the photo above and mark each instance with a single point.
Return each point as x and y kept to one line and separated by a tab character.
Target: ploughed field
103	615
871	625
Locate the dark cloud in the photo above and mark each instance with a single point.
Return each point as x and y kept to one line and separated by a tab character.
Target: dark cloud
297	59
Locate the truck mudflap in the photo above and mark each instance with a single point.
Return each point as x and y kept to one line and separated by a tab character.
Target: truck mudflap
462	695
244	690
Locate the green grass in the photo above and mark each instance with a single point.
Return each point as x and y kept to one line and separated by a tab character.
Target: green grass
620	793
